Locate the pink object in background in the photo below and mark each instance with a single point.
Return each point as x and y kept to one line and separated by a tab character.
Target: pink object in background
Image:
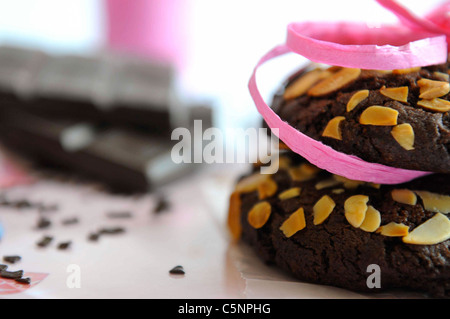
152	28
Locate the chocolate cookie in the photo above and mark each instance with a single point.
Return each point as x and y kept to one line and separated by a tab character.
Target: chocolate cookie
329	230
398	118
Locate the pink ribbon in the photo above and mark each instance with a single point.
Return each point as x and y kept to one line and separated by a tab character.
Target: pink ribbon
318	153
418	42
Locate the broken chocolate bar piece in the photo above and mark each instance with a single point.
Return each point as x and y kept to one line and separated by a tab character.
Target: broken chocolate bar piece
124	160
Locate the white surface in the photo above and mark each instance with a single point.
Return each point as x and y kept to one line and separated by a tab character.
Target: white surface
136	264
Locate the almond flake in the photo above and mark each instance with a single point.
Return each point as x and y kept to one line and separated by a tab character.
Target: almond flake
259	214
435	202
404	71
322	209
332	129
267	188
404	135
393	230
432	232
355	208
379	115
250	183
294	223
396	93
290	193
430	89
357	98
234	216
436	104
303	172
441	76
372	220
335	81
304	82
404	196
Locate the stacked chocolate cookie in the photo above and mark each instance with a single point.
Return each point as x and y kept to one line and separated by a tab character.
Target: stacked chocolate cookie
327	229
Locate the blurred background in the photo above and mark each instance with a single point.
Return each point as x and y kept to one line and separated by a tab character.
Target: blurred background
99	84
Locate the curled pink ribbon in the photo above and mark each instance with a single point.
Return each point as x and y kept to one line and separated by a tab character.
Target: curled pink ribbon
417	42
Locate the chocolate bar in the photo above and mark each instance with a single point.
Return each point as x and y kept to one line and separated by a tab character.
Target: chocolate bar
123	159
120	90
18	70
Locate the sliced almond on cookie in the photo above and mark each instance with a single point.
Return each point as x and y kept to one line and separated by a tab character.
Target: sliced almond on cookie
355	208
372	220
434	231
333	128
304	83
335	81
396	93
357	98
404	135
379	115
259	214
430	89
294	223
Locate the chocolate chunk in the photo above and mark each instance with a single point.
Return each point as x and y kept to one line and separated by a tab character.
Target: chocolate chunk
3	267
64	245
11	274
11	259
25	281
44	242
177	270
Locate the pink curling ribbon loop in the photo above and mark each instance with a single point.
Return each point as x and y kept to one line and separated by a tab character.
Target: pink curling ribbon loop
318	153
416	42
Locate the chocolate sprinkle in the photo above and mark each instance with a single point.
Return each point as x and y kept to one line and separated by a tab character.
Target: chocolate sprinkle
177	270
11	259
119	215
111	231
93	236
162	205
25	281
11	274
43	223
70	221
64	245
44	242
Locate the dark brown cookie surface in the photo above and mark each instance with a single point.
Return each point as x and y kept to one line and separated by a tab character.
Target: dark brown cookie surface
328	249
398	118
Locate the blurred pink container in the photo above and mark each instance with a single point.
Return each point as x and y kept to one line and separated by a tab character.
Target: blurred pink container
153	28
